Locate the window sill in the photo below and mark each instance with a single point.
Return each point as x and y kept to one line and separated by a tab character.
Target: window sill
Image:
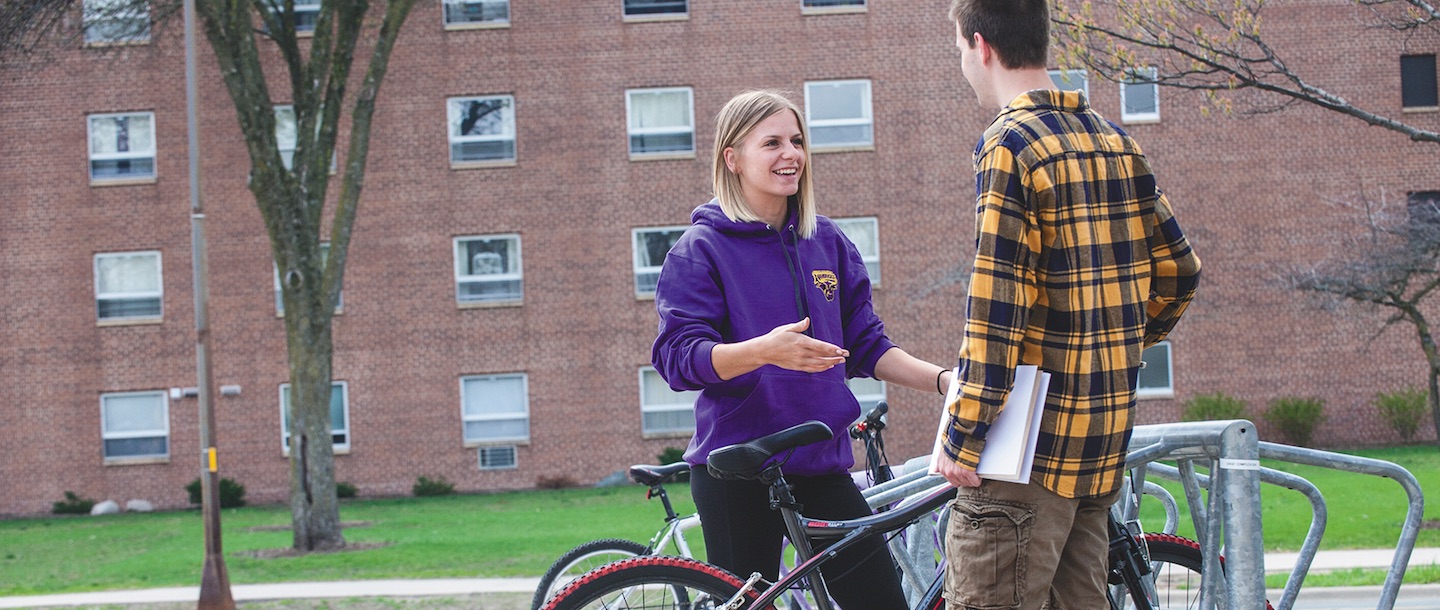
662	156
488	304
481	164
1139	120
1420	109
131	322
833	10
104	44
481	25
645	296
97	182
137	461
337	451
656	18
1155	395
843	149
498	443
668	434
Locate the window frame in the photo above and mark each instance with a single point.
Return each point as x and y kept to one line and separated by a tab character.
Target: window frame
1167	391
287	155
509	276
867	117
631	130
872	263
1130	81
635	251
667	407
835	7
339	448
1434	83
466	418
158	294
474	25
1059	73
509	134
164	433
114	11
628	17
131	155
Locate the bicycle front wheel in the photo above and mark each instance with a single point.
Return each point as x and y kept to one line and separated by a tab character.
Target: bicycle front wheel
580	560
649	582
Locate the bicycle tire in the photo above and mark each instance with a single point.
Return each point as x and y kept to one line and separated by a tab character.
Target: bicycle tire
582	559
1176	588
650	581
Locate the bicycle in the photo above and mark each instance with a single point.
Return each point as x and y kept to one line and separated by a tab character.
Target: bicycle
590	555
675	582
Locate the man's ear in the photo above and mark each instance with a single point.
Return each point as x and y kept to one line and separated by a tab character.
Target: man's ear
983	48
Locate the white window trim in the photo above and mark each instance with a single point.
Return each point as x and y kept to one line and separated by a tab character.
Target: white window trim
1084	79
846	9
88	19
508	135
868	260
635	265
490	277
1166	392
631	130
104	435
867	118
628	18
473	25
339	448
152	155
159	293
661	408
1140	118
466	418
480	457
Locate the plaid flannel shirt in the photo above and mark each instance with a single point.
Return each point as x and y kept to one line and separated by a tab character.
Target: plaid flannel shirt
1079	266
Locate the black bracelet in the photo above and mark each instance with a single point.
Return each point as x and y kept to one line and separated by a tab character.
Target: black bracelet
937	382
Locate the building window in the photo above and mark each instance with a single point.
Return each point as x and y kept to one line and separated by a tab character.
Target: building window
661	122
1071	80
116	22
477	13
285	126
122	146
1156	376
865	234
650	247
135	425
1423	208
128	286
307	12
656	8
339	416
868	391
482	130
495	409
1417	82
831	6
838	113
280	296
500	457
664	411
488	270
1140	96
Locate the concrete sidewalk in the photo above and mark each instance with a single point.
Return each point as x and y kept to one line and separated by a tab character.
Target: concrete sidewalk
1416	596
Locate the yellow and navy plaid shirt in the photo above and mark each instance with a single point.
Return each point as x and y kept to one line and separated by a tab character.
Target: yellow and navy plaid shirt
1079	265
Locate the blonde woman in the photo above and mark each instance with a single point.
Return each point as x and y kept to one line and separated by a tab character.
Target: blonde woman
765	309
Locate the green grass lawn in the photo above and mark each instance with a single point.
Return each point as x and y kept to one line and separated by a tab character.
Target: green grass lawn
521	533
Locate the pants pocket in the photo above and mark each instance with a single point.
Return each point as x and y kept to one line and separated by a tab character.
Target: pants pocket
985	545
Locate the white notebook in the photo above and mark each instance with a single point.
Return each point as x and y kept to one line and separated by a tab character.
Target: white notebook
1009	452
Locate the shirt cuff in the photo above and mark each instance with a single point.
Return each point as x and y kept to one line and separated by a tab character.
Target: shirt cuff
963	448
705	364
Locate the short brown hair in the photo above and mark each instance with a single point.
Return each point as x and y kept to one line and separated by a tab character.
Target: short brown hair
1018	30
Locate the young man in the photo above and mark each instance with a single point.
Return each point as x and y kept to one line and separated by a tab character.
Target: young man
1079	266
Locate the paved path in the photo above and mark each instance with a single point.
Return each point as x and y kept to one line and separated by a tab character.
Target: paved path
1412	597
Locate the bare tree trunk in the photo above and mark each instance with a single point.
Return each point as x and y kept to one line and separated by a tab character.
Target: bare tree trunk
314	508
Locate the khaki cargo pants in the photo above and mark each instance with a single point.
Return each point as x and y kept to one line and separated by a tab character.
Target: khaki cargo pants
1015	547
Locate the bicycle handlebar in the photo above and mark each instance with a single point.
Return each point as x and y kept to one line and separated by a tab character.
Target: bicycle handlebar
874	421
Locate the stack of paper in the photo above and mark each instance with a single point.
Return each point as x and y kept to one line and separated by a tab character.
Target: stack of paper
1009	452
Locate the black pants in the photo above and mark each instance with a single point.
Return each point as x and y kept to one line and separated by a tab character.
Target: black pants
743	535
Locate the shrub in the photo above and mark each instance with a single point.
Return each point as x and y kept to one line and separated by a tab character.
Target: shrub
345	490
670	455
232	494
1296	418
1209	407
73	505
558	481
1403	410
425	487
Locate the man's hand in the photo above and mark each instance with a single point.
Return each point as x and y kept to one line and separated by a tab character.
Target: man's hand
958	475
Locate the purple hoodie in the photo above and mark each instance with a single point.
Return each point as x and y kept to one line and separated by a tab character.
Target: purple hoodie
726	282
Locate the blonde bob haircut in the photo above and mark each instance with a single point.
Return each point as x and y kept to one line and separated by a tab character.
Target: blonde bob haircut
734	122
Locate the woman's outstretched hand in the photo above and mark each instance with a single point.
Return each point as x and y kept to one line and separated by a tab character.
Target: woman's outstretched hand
788	347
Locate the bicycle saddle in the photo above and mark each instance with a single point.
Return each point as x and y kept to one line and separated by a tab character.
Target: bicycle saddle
746	460
651	476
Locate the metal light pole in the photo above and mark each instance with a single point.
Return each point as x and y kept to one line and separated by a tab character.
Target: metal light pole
214	581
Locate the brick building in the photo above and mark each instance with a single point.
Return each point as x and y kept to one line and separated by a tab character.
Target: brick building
495	328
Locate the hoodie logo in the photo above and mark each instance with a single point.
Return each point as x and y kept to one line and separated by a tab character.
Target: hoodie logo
826	282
